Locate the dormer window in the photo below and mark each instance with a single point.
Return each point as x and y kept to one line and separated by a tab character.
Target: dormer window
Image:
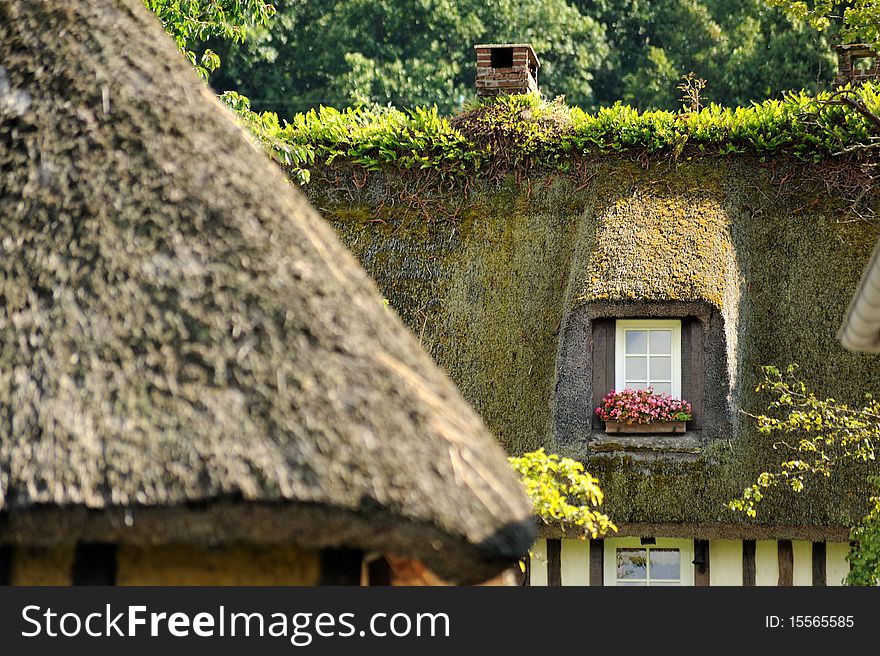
664	352
676	347
648	354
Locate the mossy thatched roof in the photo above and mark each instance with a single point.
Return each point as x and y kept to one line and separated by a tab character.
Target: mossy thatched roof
670	245
502	280
178	327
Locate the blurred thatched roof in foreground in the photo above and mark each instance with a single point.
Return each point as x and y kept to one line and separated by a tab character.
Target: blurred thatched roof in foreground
185	342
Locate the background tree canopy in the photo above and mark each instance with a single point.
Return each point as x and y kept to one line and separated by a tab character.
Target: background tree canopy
191	22
419	52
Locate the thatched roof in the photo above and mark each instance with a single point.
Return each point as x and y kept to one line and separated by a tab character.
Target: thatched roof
178	327
658	245
519	270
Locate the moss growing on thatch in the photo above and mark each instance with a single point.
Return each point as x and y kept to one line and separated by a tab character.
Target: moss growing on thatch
489	292
667	240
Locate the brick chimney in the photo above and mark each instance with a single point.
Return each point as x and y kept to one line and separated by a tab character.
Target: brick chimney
506	68
856	63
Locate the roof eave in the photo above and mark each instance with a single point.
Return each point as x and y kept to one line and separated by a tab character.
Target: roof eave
457	558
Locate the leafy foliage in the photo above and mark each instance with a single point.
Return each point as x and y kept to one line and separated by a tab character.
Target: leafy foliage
819	435
691	88
859	19
563	494
865	555
196	21
267	130
526	131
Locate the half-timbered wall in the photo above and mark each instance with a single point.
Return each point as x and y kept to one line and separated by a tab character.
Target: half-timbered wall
729	562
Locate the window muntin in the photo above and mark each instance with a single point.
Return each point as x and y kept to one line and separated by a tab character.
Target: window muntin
648	354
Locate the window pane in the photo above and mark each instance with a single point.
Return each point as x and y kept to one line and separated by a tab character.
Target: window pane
632	584
662	388
661	368
664	584
661	341
665	564
636	368
636	341
632	564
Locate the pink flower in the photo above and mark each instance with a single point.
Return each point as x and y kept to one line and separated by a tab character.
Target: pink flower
642	406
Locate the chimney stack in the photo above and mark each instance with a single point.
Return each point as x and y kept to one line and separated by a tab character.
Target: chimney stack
506	69
856	63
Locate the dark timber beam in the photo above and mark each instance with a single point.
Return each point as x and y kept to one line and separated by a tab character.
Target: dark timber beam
341	566
5	564
523	572
749	548
786	563
379	572
554	562
819	559
597	562
94	563
701	563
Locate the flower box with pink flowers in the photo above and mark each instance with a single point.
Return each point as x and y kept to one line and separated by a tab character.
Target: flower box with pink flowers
643	411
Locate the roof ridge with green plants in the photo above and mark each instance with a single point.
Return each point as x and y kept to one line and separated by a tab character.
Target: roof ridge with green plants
498	135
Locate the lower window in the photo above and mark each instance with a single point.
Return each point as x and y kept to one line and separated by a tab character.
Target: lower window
662	562
648	566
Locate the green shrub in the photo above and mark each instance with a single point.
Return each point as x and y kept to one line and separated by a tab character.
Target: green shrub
513	131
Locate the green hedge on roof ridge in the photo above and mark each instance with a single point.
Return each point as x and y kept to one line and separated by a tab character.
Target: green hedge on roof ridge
527	130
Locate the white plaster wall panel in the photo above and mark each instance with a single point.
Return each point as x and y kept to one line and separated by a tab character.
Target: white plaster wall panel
725	562
836	564
766	563
575	562
803	562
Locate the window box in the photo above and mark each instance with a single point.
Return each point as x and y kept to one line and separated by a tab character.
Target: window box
644	429
643	412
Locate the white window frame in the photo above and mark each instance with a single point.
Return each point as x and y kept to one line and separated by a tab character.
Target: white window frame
685	551
622	325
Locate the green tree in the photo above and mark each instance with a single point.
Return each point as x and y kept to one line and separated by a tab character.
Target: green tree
858	20
865	556
819	435
340	53
193	22
745	49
